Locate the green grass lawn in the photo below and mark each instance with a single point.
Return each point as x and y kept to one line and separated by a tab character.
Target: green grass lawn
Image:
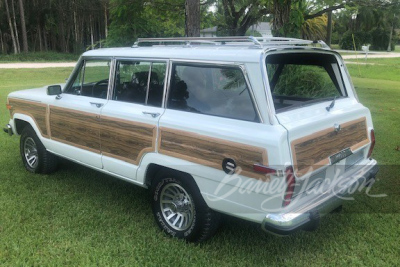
80	217
387	69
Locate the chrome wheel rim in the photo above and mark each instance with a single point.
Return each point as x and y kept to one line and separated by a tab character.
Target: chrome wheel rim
177	207
31	153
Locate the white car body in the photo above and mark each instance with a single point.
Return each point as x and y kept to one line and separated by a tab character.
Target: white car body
247	195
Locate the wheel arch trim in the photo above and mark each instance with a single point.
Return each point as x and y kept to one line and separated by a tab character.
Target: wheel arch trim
29	120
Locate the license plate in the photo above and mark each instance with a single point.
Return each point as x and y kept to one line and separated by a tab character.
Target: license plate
340	155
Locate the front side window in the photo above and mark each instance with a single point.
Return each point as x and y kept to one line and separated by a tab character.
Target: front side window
297	79
218	91
140	82
91	79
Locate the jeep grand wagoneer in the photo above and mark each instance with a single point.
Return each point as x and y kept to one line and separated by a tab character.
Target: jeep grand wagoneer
267	130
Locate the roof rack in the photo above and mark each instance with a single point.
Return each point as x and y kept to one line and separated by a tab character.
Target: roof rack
259	42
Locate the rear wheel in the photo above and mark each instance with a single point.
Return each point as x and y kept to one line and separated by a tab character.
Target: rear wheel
34	155
179	208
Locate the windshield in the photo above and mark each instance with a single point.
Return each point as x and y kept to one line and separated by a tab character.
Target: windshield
297	79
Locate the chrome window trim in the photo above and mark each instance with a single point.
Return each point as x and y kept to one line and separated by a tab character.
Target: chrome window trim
252	96
148	84
73	73
207	62
240	66
167	83
267	90
111	80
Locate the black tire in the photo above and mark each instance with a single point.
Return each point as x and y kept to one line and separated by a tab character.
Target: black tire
35	157
338	209
180	210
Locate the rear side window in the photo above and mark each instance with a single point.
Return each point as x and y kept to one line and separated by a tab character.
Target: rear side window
140	82
297	78
218	91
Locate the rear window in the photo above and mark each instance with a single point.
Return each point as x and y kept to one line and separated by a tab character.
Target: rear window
298	79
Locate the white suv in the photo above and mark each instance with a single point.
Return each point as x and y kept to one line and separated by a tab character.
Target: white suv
267	130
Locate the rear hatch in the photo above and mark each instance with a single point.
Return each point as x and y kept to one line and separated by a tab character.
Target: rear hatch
328	130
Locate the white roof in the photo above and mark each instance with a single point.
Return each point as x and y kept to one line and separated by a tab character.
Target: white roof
234	49
215	53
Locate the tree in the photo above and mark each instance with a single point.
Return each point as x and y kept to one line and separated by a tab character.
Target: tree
371	22
14	42
61	25
281	15
23	26
192	18
236	17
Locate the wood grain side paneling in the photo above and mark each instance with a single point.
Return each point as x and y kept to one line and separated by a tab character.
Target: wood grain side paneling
37	111
211	151
126	140
77	128
313	151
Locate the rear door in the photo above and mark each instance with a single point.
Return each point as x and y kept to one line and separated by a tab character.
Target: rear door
328	129
130	119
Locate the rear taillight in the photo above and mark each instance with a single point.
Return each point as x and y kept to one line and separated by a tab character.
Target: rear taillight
290	184
371	148
267	170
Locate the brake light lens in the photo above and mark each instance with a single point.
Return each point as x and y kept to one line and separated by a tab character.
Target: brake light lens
9	107
267	170
290	182
371	148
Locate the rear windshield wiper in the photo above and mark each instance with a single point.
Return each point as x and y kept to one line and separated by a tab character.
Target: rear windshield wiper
320	100
309	102
328	108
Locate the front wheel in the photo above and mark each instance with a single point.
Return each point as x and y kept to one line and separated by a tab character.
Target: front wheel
34	155
180	210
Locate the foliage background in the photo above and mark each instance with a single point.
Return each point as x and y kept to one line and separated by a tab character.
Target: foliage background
73	26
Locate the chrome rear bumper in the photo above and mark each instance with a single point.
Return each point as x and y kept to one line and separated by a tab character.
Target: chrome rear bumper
307	214
8	130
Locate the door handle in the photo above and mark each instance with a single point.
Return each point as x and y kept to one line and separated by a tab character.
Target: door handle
153	114
98	105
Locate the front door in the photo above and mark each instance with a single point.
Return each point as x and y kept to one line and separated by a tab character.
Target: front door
74	119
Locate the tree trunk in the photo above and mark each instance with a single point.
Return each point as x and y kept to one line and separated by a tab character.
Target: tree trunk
91	32
40	38
389	49
2	43
11	28
15	26
281	17
99	31
62	40
105	20
192	18
45	42
329	29
75	27
23	26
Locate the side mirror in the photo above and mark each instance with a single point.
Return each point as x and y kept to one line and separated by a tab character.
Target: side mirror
54	90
